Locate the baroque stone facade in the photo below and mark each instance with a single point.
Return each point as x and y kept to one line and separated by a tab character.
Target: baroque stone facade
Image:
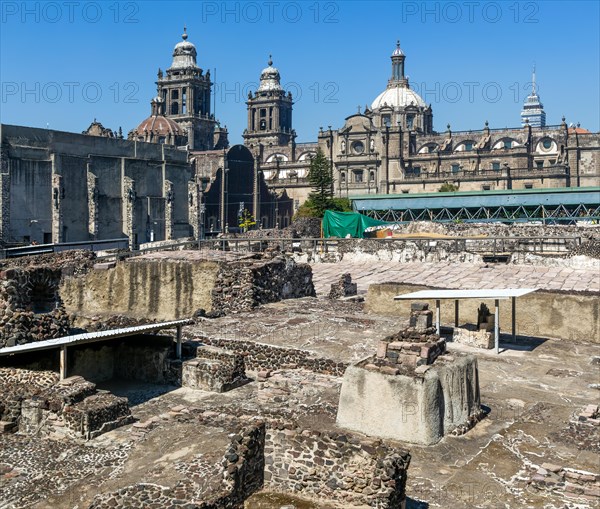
391	147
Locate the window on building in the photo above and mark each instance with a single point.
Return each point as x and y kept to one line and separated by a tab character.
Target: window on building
486	187
358	176
183	102
528	186
343	177
263	112
174	94
410	120
547	144
174	108
372	176
431	149
386	120
455	168
263	124
469	145
404	191
507	143
496	166
552	161
539	164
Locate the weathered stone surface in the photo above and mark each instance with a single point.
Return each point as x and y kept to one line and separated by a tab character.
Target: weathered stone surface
412	409
477	338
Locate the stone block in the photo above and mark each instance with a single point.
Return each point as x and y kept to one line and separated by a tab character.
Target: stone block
407	360
388	370
551	467
396	345
424	321
7	427
382	348
394	407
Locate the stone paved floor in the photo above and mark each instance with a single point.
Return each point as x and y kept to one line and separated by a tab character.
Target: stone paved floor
456	275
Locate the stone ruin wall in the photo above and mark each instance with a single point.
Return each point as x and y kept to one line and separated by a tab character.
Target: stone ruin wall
281	457
140	288
30	306
338	467
241	286
37	403
167	289
240	474
263	357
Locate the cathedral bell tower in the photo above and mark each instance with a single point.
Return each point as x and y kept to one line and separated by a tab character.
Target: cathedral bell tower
185	92
269	112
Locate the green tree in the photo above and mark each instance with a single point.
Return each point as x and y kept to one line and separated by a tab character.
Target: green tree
246	220
448	188
321	181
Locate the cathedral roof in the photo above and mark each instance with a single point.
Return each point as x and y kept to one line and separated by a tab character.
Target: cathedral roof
398	51
269	78
398	97
184	53
158	123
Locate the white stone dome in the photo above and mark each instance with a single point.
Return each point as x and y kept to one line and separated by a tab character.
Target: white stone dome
270	80
398	97
184	53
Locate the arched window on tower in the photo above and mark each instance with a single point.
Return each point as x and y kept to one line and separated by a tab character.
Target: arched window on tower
183	102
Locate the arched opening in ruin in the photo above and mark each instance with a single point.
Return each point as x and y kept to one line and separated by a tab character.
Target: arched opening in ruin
43	298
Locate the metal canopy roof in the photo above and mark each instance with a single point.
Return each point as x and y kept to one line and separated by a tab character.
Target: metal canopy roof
90	337
494	293
470	199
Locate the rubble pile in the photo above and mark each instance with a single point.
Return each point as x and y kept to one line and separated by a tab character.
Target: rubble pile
344	287
36	402
590	248
413	348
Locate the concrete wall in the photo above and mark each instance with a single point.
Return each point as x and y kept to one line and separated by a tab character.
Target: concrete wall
575	317
162	290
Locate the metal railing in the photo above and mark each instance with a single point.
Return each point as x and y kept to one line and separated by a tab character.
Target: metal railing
37	249
489	246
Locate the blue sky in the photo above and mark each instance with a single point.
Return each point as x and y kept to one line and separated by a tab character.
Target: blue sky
63	64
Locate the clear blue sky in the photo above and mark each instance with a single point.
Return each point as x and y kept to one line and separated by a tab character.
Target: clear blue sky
66	63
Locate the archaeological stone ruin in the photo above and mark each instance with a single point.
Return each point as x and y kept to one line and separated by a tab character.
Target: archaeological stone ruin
411	390
291	378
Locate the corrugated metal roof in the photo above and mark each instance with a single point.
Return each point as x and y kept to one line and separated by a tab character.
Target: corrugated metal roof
90	337
500	293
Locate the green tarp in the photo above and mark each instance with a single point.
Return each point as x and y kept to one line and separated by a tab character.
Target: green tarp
340	224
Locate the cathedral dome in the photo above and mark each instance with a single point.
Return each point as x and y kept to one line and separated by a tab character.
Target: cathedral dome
269	78
398	97
184	54
158	123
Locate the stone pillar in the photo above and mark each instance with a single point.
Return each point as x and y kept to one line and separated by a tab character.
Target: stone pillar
256	189
57	196
129	197
92	188
169	199
4	197
193	209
